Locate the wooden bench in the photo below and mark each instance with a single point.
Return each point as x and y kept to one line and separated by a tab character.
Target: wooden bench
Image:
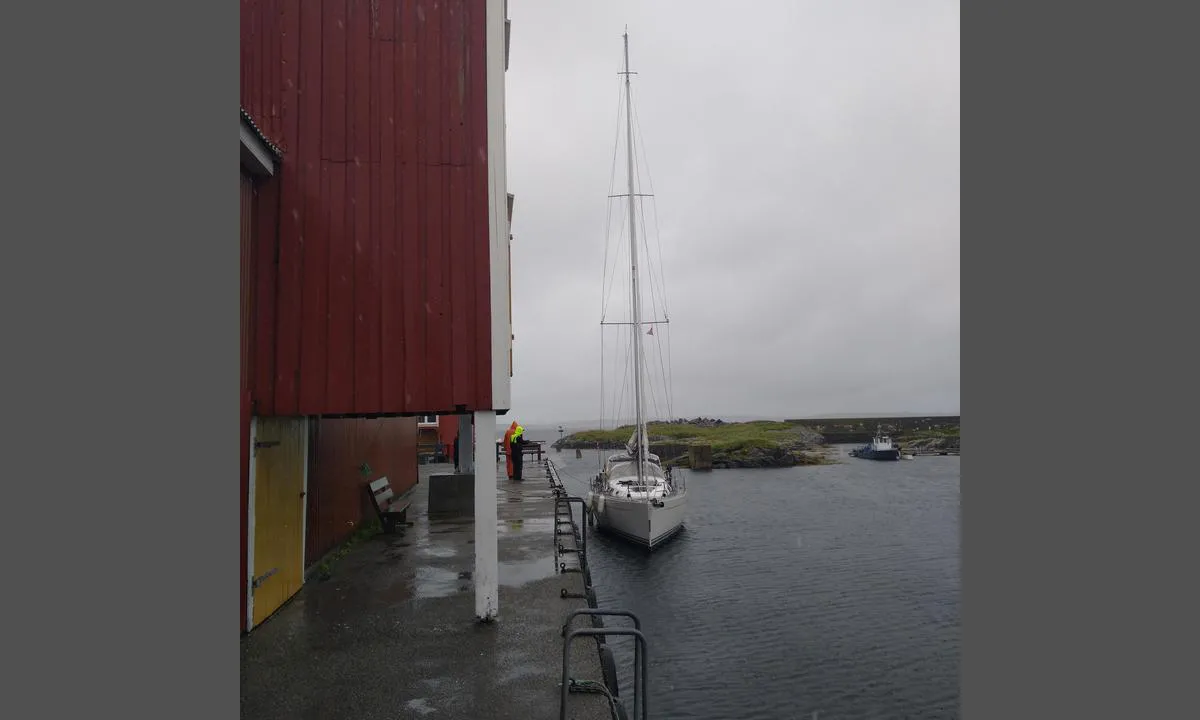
532	447
392	508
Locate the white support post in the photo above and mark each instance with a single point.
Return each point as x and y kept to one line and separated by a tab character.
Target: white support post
487	561
466	462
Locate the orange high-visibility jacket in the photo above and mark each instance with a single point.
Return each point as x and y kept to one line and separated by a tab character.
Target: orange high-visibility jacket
508	447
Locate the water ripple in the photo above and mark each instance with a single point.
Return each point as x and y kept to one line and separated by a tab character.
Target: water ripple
831	590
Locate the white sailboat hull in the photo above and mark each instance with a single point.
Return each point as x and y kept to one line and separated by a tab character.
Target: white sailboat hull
638	521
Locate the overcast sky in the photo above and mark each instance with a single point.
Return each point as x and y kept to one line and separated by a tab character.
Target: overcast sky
805	162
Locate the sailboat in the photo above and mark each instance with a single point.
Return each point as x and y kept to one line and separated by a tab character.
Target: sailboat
633	496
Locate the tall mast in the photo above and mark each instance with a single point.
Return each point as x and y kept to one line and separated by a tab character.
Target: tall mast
633	262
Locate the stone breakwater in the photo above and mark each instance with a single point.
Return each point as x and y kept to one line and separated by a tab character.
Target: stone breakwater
929	445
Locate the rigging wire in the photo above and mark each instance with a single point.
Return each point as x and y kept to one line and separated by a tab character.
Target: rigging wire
619	401
657	233
656	300
657	290
657	281
617	257
612	176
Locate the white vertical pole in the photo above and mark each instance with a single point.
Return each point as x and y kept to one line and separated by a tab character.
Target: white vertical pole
487	562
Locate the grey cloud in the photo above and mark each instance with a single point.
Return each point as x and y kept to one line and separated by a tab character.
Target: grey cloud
805	157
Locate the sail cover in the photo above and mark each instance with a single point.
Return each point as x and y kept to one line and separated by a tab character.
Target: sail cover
631	447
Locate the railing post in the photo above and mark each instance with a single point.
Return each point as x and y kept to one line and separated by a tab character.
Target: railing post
583	517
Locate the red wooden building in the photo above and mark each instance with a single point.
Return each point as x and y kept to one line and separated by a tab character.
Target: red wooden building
375	258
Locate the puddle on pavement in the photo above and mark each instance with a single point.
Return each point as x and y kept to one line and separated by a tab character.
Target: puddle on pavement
521	672
514	574
525	525
432	582
438	551
420	706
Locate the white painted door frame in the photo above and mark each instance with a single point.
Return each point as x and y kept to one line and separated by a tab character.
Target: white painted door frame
250	525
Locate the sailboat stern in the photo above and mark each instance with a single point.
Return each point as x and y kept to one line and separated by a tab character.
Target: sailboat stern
666	518
646	523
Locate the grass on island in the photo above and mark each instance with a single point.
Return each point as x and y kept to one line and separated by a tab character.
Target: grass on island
724	438
937	433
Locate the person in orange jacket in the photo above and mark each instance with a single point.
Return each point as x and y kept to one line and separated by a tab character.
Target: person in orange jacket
508	447
518	446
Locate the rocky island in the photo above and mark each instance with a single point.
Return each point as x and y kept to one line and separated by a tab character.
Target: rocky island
756	444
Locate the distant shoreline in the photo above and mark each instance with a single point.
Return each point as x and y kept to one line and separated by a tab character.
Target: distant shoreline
773	443
761	443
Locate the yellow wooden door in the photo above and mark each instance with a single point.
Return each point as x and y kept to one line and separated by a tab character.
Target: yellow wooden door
279	463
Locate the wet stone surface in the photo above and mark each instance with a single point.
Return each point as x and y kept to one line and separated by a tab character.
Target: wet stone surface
392	634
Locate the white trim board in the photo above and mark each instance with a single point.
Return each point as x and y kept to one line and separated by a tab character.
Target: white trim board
496	56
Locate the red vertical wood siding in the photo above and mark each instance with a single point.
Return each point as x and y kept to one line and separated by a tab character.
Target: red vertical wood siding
372	272
337	498
447	429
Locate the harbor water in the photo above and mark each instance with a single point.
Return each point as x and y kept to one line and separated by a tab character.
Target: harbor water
827	592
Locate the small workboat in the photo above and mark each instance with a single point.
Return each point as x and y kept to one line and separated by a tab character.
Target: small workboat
880	448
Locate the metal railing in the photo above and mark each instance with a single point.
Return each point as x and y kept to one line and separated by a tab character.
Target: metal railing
580	533
676	481
639	660
564	514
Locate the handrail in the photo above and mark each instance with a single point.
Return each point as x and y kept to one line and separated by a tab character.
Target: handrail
597	612
639	679
640	692
637	624
583	516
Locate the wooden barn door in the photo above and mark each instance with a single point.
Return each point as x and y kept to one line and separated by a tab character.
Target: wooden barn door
280	458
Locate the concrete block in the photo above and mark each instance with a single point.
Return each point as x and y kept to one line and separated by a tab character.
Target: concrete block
452	493
700	457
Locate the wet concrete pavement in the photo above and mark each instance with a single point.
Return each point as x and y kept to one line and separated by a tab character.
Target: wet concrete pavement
392	634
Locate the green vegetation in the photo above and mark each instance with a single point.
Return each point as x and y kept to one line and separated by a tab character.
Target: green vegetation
368	529
935	433
760	443
725	437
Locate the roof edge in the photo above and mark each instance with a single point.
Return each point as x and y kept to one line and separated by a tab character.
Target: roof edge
260	135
